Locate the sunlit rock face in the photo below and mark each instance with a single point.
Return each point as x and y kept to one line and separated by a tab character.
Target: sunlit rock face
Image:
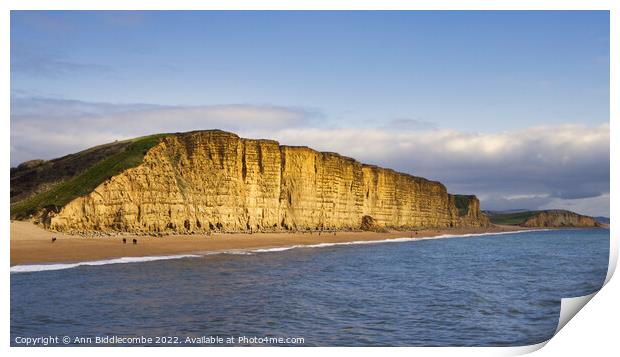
560	218
216	181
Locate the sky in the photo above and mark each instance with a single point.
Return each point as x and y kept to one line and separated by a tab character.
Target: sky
510	106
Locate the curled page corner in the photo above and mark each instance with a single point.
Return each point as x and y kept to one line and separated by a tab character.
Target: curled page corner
569	307
523	350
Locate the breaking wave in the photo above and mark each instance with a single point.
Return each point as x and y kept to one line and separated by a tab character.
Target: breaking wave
123	260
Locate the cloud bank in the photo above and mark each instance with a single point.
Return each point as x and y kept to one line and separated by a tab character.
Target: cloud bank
47	128
564	166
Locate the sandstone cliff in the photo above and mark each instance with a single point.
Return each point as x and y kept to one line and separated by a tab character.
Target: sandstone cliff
214	180
559	218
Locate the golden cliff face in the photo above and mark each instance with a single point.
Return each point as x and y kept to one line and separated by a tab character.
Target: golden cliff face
213	180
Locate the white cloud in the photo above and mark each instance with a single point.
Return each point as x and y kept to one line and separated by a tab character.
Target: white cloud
563	165
594	206
48	128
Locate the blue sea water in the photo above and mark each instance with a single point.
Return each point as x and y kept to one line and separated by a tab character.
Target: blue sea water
499	290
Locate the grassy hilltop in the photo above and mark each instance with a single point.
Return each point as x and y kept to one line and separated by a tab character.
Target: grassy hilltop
52	184
512	218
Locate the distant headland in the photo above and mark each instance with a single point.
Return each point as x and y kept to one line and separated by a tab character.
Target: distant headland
543	219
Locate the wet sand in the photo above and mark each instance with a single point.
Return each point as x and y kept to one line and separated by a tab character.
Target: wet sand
32	244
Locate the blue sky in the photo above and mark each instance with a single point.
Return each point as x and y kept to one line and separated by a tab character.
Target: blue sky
312	76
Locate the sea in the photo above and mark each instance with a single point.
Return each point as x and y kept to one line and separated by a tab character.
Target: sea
472	290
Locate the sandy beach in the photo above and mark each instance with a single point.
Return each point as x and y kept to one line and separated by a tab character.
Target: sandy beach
31	244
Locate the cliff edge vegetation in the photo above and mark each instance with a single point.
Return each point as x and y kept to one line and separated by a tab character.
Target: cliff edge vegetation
38	185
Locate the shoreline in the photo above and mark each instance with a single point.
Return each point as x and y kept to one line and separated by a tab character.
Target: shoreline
31	244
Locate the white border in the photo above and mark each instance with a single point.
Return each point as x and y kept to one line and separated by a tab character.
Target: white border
310	5
594	329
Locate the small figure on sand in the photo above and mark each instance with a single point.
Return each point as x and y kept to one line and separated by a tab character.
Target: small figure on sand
124	240
135	241
53	239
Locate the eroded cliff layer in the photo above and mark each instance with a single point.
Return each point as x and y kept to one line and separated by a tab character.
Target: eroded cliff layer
560	218
214	180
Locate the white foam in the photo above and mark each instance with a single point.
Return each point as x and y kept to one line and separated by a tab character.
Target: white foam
390	240
123	260
235	252
277	249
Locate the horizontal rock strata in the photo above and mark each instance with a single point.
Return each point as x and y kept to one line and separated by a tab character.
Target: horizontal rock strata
560	218
214	180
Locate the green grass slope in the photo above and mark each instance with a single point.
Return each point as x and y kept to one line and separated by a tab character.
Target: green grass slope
462	203
510	218
36	176
61	194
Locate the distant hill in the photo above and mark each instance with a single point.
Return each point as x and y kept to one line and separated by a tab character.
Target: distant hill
602	220
542	218
511	217
517	210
